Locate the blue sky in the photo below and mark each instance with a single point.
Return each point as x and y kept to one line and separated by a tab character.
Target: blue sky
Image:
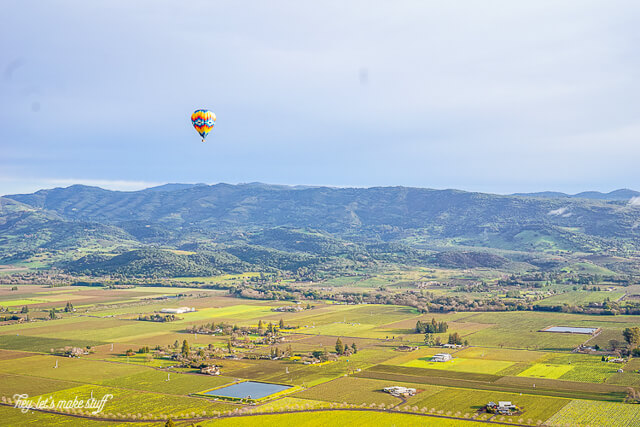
496	96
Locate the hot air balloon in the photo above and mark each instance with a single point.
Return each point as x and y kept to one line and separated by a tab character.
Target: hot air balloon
202	121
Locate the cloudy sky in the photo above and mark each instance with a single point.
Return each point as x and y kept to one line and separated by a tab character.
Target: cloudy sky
496	96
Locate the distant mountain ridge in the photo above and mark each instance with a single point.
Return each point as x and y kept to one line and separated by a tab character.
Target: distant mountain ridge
443	213
621	194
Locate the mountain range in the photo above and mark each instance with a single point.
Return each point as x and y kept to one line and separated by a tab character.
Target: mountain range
227	227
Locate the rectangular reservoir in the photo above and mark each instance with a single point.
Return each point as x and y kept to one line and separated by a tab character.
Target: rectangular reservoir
248	390
571	330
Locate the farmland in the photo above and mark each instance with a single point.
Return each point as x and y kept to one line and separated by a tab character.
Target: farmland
585	413
544	370
461	364
507	359
333	418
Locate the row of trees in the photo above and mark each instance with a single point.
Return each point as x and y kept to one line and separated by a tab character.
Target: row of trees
454	338
223	328
158	317
632	337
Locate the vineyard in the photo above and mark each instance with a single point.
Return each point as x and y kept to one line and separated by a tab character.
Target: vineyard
589	413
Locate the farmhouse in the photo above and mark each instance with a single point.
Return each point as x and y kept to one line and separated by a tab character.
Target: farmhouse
398	391
210	370
502	407
178	310
288	308
406	348
447	345
441	357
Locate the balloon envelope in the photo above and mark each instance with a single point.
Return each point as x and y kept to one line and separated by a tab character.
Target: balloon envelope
203	121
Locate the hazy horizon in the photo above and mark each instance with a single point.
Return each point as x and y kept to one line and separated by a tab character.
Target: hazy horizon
139	186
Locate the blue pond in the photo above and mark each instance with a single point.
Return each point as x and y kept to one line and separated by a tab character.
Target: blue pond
571	330
248	389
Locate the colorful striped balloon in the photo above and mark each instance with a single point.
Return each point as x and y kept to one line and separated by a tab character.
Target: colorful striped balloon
203	122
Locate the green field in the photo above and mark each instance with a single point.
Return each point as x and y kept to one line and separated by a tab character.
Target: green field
126	401
459	402
156	381
581	297
359	391
41	344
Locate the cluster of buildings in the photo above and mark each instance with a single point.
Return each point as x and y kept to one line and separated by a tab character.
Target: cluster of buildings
288	308
179	310
441	357
406	348
502	407
210	370
398	391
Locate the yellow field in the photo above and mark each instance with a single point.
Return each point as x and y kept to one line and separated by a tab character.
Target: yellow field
242	310
338	418
545	370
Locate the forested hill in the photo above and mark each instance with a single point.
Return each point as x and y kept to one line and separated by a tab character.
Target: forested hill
273	225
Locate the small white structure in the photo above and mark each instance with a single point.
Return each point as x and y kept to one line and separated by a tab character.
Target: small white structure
451	345
400	391
441	357
178	310
210	370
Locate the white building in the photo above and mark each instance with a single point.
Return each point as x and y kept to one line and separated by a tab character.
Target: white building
447	345
441	357
177	310
400	391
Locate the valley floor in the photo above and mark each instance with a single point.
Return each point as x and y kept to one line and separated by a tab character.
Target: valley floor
507	358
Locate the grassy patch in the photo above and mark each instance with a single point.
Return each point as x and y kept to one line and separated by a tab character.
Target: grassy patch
508	354
19	302
41	344
461	401
156	381
81	370
360	390
19	384
128	401
13	417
